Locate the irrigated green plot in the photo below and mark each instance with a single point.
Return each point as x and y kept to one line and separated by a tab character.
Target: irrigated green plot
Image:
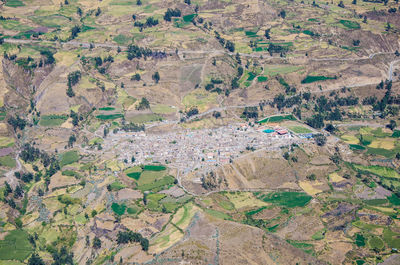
162	109
109	116
154	167
299	129
15	246
69	158
143	118
315	78
158	185
273	70
116	185
380	171
375	242
7	161
6	142
52	120
118	209
107	108
350	24
279	118
287	198
14	3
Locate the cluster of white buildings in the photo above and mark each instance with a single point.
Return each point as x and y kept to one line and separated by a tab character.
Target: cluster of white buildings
191	149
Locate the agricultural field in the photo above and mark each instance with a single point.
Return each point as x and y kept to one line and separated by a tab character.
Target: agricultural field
199	132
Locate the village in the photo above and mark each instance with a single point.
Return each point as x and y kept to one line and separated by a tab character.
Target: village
202	149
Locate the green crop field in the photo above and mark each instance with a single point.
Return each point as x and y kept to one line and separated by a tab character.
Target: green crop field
2	116
360	240
262	79
218	214
109	116
280	118
380	171
15	246
116	185
7	161
69	158
107	108
189	18
311	79
14	3
381	152
393	199
134	175
375	242
52	120
306	247
350	24
154	168
396	134
118	209
158	184
356	147
299	129
288	199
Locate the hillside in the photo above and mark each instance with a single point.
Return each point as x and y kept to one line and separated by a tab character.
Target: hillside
199	132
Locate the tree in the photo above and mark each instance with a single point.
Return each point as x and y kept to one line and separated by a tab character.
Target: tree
286	156
282	14
156	77
74	31
98	12
341	4
354	2
136	77
7	189
133	159
79	11
392	124
187	2
320	139
267	33
139	2
311	177
96	243
70	92
35	259
330	128
230	46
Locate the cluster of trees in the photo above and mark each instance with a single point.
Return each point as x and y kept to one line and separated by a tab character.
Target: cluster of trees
29	153
132	127
276	48
35	259
73	79
143	104
192	111
74	31
230	46
250	113
150	22
49	57
170	13
124	237
17	122
280	101
136	77
135	51
62	257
